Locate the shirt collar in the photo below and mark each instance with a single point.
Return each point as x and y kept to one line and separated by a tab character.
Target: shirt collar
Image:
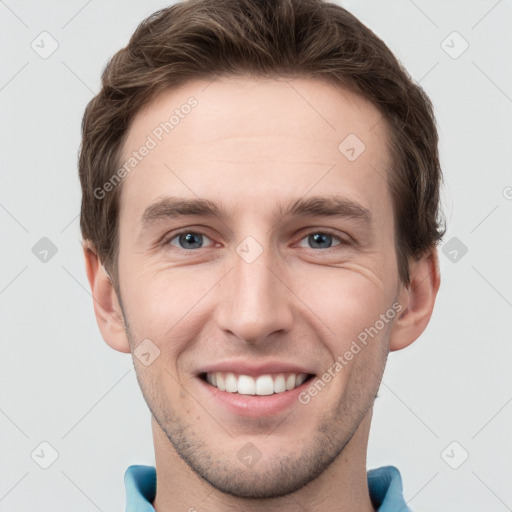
385	486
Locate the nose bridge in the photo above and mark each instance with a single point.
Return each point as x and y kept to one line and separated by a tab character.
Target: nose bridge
254	303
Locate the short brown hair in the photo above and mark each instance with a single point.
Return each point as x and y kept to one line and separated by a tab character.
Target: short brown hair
202	39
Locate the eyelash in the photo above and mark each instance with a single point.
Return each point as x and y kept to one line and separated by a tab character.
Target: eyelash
172	236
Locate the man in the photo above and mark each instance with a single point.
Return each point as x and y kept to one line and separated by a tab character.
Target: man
260	217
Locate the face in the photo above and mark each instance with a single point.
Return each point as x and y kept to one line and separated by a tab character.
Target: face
256	254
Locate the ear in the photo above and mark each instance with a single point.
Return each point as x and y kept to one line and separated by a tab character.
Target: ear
417	301
106	305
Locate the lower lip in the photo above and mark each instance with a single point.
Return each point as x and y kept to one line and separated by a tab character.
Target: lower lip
254	405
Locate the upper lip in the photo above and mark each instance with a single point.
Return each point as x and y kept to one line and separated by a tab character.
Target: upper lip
243	367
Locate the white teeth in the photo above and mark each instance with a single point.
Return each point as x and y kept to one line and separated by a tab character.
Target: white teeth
290	382
221	382
231	383
246	385
263	385
279	384
299	379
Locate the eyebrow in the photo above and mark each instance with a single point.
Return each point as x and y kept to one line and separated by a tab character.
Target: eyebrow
317	206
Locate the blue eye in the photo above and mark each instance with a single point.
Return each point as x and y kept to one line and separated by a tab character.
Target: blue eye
188	240
324	239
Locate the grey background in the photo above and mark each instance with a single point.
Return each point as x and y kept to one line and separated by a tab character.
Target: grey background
60	383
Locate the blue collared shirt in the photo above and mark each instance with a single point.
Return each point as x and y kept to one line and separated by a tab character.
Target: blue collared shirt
385	485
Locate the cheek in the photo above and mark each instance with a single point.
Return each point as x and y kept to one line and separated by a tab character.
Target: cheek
164	305
347	300
353	305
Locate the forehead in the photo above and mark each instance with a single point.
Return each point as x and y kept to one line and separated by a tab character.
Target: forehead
262	137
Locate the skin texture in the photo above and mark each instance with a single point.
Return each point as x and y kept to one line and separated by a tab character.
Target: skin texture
250	145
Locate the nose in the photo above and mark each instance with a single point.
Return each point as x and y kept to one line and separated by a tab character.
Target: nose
256	299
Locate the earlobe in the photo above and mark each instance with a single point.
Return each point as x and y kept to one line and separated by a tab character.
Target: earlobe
418	301
106	305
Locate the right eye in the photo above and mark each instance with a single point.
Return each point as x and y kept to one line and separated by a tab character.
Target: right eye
187	240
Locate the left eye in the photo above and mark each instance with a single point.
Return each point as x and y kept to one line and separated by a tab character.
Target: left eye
322	239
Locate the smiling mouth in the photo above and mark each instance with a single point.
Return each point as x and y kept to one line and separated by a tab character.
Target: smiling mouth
262	385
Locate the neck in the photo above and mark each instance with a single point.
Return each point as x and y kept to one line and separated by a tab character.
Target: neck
343	486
